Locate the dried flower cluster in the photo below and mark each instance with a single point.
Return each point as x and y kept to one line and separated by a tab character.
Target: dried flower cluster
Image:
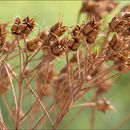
98	8
84	70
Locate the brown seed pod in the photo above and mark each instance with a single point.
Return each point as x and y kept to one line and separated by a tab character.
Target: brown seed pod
90	30
34	44
57	30
58	47
44	35
117	43
104	105
3	34
126	8
27	25
15	27
74	42
95	8
118	23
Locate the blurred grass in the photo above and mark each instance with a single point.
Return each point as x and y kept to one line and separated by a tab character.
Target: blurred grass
47	13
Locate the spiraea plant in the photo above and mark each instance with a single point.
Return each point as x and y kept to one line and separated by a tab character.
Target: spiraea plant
53	92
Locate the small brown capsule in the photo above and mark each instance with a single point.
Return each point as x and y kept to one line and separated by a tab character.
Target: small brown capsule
87	29
15	27
34	44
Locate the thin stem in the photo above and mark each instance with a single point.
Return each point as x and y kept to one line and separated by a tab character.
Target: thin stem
8	108
83	105
78	61
20	54
36	67
37	98
43	116
92	120
20	86
49	118
10	58
122	122
68	76
75	117
104	44
12	86
19	105
34	76
4	62
25	44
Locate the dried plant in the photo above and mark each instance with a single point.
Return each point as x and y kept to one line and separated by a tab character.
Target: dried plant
55	92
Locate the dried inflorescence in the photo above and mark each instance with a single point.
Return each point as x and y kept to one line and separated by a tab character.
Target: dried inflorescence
119	46
23	27
120	22
126	8
91	30
34	44
98	8
55	91
3	33
74	42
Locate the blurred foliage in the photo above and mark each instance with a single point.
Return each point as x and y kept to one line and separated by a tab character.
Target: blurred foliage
48	13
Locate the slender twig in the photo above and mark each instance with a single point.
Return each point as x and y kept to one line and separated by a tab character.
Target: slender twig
14	56
4	62
78	61
12	86
37	99
10	112
49	118
74	117
19	105
104	43
43	116
20	87
83	105
68	76
20	54
122	122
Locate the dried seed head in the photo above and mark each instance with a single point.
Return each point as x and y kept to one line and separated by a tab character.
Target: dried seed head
74	42
27	25
34	44
126	8
104	106
44	35
90	30
118	49
117	43
57	30
15	27
3	33
58	47
120	23
95	8
24	27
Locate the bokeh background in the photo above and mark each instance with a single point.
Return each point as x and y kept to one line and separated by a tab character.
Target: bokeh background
48	13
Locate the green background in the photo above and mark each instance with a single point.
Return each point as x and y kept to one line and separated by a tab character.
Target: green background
47	13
